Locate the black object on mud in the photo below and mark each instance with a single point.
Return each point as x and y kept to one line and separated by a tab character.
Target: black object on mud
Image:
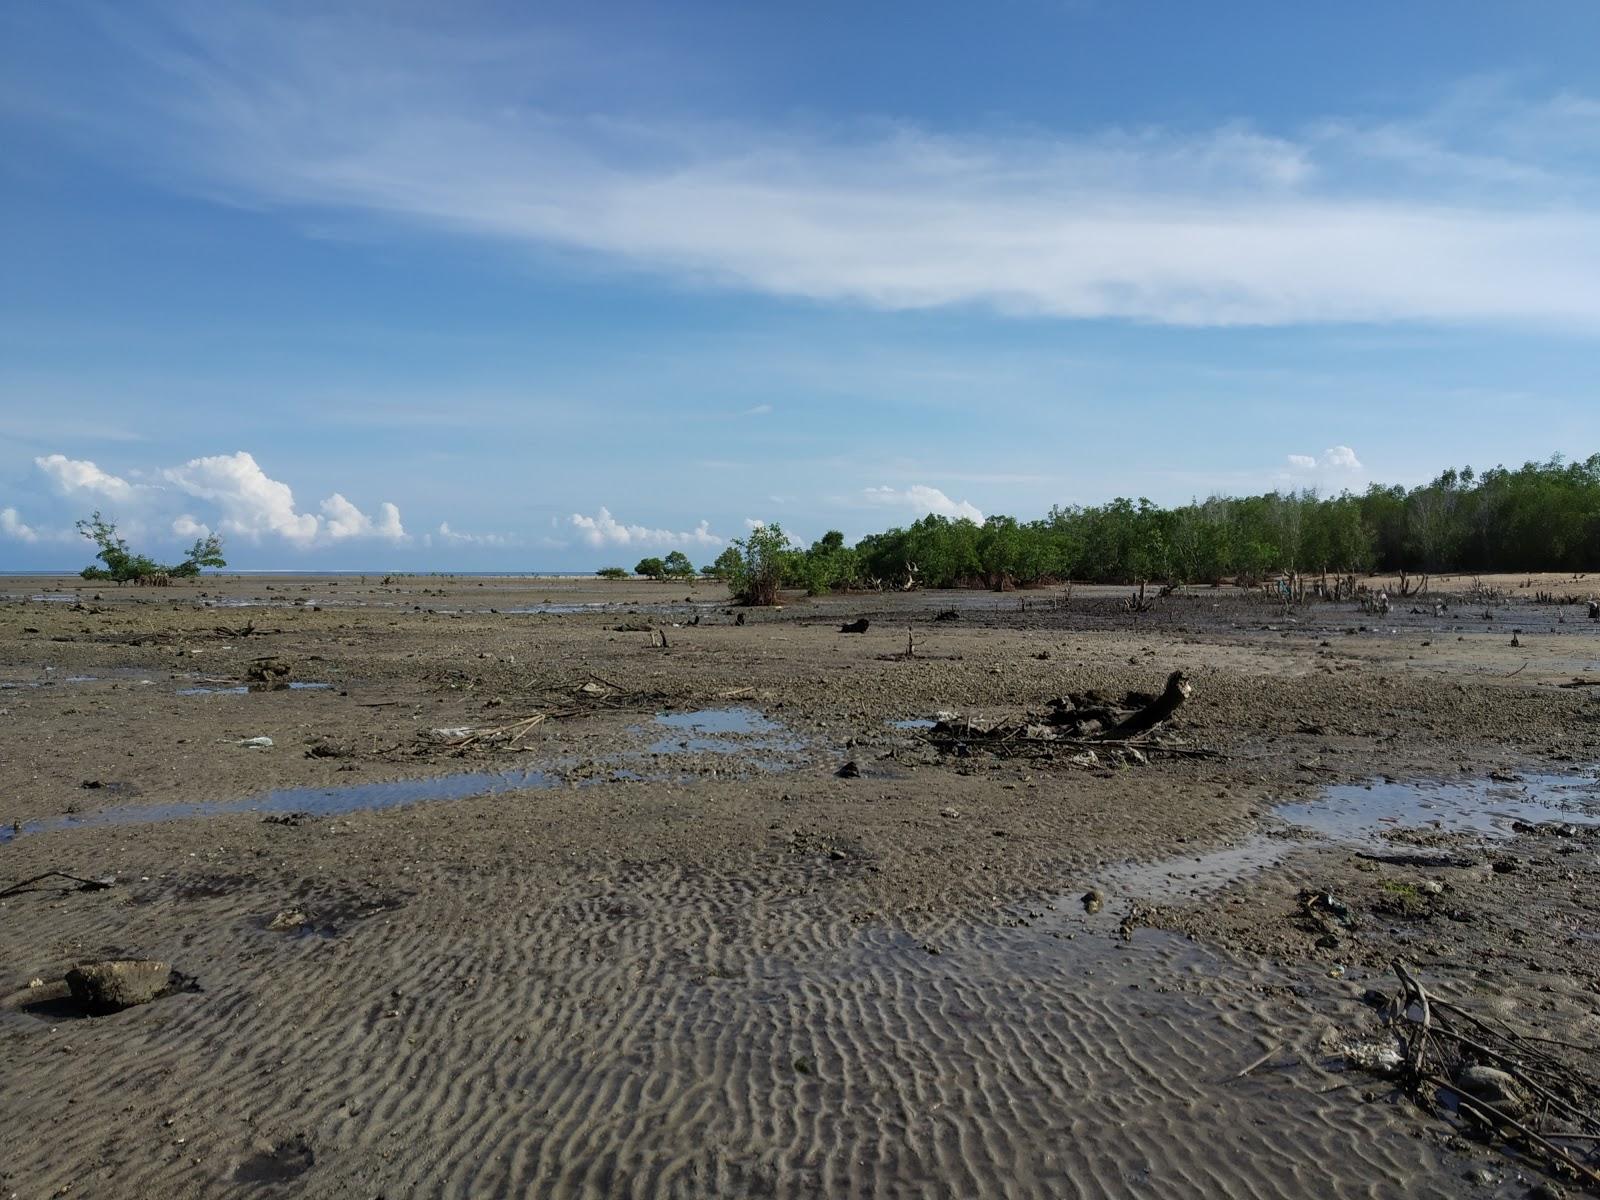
857	626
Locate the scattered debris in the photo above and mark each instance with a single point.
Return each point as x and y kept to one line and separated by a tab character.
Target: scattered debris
1082	722
255	743
1497	1083
289	918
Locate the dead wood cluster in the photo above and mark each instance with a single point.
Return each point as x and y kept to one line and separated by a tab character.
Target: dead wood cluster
1088	724
1536	1095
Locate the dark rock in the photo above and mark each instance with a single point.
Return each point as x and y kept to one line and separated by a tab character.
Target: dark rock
849	771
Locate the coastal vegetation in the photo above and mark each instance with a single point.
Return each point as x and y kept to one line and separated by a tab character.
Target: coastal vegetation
121	565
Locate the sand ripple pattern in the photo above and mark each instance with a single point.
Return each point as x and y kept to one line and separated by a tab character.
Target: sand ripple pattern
656	1033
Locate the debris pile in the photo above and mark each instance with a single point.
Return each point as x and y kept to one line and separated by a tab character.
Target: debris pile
1098	729
1534	1094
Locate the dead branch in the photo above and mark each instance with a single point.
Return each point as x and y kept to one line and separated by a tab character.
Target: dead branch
84	885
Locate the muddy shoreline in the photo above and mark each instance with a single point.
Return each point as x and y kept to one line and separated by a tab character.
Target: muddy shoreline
679	955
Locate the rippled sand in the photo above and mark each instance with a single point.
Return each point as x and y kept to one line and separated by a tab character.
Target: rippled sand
656	1033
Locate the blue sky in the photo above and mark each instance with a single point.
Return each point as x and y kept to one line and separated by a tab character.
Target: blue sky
483	286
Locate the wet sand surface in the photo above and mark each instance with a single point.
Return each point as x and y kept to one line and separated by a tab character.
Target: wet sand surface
654	945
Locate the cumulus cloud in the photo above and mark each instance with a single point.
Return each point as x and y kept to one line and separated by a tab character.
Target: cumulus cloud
1436	216
342	519
921	499
454	537
254	505
11	526
72	476
603	529
186	526
1334	458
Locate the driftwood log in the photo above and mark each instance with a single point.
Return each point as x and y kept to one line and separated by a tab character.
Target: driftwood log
1157	712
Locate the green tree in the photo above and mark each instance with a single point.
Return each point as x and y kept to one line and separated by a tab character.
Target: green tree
122	565
762	558
651	568
612	573
677	566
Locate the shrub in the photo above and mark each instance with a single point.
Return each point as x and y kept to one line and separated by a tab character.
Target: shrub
761	560
122	565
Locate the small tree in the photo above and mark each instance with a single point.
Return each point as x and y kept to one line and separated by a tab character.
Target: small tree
678	566
612	573
651	568
122	565
759	571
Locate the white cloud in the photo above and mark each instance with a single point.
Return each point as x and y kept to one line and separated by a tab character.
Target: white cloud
252	504
603	529
1334	458
186	526
342	519
12	526
74	475
921	499
453	537
758	410
1443	217
388	526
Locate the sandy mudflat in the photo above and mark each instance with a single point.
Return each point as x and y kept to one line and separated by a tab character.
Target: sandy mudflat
655	946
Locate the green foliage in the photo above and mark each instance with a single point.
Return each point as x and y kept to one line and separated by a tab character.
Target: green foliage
1543	516
762	561
121	565
727	563
612	573
829	565
677	566
651	568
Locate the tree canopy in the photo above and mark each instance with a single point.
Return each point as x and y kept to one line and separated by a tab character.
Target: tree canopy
1539	517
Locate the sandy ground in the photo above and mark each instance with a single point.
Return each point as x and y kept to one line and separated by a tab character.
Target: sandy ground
657	946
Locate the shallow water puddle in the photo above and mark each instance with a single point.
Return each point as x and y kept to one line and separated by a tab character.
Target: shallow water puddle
245	689
315	801
1364	816
1483	806
722	731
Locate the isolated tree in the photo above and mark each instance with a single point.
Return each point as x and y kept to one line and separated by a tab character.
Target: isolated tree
678	566
122	565
762	558
651	568
612	572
